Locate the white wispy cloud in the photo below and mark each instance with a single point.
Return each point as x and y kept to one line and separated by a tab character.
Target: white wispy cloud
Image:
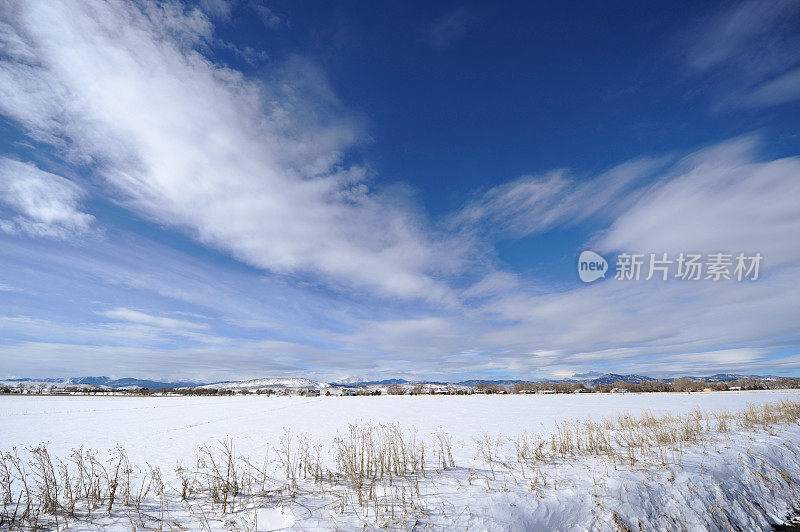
163	322
252	168
217	8
41	203
448	28
721	198
493	283
718	197
269	18
751	49
780	89
534	204
191	363
125	93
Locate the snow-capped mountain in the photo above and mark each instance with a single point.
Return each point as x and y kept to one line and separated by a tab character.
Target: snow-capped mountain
353	379
610	378
96	382
255	384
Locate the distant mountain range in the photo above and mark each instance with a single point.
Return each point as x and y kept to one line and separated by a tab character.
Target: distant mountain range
589	379
278	382
105	382
611	378
501	382
357	382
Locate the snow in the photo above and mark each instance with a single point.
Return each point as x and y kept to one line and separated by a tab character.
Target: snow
255	384
34	384
579	494
255	423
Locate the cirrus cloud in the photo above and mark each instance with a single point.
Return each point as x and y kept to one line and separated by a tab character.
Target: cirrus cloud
253	168
43	204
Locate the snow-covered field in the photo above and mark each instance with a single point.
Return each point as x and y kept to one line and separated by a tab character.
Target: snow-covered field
163	429
744	477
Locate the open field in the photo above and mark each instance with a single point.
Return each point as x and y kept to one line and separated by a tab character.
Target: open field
497	462
175	426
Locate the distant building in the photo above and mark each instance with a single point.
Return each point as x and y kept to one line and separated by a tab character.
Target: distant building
547	391
735	388
579	390
619	390
312	392
349	392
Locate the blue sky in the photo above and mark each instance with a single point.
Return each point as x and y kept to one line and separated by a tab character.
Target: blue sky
235	188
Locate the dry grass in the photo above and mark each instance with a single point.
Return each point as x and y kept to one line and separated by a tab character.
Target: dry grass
381	466
377	473
80	487
651	438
